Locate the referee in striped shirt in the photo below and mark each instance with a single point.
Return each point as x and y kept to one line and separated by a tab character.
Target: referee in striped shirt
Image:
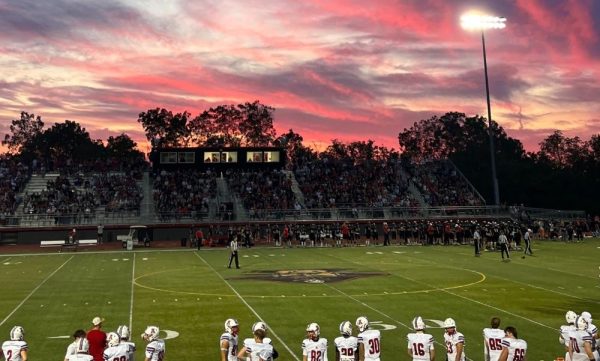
234	252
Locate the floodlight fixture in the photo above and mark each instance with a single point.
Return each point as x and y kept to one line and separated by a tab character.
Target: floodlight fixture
482	22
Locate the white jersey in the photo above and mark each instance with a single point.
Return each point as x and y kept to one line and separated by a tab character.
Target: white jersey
371	339
155	351
451	341
80	357
577	342
71	349
517	348
120	352
12	350
347	347
258	351
565	332
420	344
315	350
233	345
131	349
492	348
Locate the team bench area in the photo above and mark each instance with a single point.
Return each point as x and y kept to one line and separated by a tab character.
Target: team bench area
68	246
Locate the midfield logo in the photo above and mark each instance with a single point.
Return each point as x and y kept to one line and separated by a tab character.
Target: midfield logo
310	275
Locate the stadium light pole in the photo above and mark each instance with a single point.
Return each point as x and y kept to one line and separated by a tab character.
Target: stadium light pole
482	23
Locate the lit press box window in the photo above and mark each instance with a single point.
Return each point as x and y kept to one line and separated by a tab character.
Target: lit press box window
254	157
229	157
187	157
168	157
212	157
271	157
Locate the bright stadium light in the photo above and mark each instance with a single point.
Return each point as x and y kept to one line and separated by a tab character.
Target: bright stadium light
481	23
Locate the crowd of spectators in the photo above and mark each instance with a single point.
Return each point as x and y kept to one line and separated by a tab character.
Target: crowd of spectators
13	177
262	190
441	184
184	193
60	198
329	183
82	187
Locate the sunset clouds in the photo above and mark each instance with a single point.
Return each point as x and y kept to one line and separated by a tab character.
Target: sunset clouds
351	70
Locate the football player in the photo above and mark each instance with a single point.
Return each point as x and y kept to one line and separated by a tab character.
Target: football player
123	332
116	350
565	332
72	348
492	340
513	348
369	341
455	341
16	348
229	341
580	344
346	345
420	344
314	348
155	350
258	348
82	349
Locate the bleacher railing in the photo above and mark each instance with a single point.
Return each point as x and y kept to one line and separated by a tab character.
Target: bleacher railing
341	213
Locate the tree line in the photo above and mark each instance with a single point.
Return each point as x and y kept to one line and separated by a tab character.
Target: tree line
564	173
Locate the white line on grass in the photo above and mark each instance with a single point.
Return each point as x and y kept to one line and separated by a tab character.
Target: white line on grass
131	300
247	305
5	260
32	292
378	311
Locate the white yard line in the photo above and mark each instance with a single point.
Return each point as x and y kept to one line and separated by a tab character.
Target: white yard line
32	292
5	260
131	299
378	311
247	305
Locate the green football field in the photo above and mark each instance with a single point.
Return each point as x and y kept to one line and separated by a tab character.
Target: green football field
189	295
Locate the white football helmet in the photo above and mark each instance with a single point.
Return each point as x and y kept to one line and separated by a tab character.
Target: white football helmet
151	333
587	316
449	323
83	346
259	326
418	324
313	327
113	339
581	323
230	323
17	333
123	332
570	316
346	328
362	323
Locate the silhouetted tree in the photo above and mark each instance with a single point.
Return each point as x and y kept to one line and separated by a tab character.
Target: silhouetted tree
165	129
122	146
23	132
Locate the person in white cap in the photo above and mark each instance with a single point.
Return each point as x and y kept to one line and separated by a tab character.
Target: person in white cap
97	339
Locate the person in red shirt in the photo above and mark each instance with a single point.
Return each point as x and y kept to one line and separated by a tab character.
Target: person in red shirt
199	238
97	339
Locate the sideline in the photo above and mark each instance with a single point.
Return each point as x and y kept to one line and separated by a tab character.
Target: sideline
35	289
131	300
247	305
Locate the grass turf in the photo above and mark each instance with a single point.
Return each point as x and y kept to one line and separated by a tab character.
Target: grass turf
192	293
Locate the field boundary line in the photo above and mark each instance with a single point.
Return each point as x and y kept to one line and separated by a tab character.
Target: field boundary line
35	289
247	305
131	299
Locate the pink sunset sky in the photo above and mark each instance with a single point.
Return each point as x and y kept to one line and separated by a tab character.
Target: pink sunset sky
351	70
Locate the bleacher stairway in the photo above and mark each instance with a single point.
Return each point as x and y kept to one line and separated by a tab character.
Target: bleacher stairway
36	184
